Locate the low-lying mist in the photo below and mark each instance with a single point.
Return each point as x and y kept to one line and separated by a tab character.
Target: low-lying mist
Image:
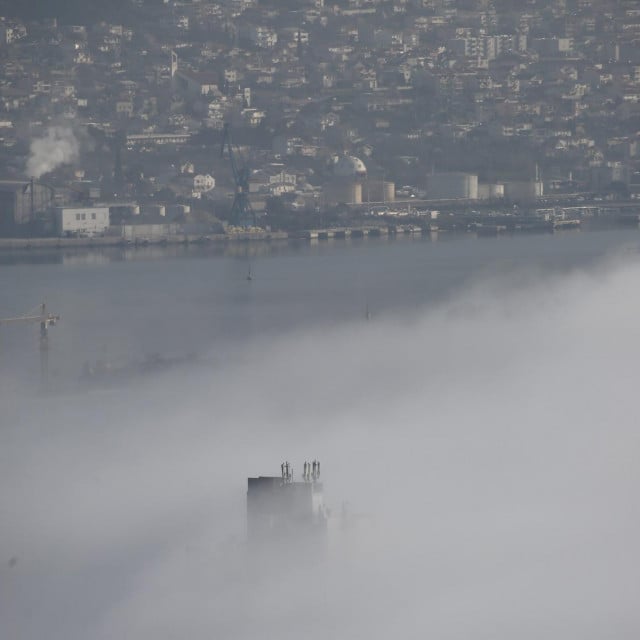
486	450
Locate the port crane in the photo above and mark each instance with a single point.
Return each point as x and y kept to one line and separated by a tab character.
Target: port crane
242	213
39	314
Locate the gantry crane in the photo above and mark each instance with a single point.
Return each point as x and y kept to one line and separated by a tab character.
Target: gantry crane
39	314
242	213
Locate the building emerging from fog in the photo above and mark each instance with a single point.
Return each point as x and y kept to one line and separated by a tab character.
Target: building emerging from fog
278	508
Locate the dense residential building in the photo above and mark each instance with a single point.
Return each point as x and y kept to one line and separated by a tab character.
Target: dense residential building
420	90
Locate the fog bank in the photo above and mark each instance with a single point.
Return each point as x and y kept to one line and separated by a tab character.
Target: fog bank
486	448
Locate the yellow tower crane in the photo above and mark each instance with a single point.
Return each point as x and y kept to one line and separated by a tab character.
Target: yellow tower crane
39	314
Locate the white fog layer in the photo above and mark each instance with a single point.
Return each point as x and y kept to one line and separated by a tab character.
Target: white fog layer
486	449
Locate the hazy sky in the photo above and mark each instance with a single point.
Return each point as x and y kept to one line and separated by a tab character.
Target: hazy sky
487	449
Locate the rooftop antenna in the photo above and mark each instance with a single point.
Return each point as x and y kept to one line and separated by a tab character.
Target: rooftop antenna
287	472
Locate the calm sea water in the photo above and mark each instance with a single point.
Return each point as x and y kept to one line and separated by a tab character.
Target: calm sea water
122	306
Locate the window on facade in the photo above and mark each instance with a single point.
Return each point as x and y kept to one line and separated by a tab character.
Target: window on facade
77	216
93	216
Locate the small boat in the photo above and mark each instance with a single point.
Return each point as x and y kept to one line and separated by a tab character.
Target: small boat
249	276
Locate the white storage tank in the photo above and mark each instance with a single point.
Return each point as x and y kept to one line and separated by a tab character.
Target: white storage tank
119	211
523	190
490	191
388	191
452	185
177	210
353	193
154	210
496	191
379	191
344	191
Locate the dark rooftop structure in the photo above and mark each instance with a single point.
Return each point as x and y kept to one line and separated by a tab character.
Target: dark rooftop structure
19	202
280	509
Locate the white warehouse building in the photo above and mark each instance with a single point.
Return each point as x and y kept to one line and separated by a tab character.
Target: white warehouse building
82	221
452	185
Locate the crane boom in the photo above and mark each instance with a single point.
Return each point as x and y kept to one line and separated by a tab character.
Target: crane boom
46	320
43	317
226	144
242	212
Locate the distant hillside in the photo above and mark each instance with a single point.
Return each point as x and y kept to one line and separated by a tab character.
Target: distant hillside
67	11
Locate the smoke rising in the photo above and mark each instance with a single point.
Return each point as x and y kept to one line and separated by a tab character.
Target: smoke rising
487	449
57	147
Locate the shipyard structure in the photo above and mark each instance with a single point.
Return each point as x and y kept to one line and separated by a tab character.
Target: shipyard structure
281	509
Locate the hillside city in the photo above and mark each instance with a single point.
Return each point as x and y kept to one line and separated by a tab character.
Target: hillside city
247	117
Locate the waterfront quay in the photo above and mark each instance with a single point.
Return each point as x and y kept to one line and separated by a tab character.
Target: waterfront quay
409	220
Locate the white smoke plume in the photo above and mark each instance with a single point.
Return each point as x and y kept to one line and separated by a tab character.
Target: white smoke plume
58	146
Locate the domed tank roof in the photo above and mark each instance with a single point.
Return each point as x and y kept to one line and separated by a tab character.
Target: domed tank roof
349	166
